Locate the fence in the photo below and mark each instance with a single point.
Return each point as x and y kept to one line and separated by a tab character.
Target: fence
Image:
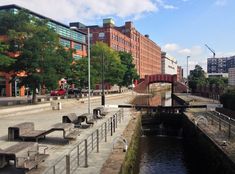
225	123
78	155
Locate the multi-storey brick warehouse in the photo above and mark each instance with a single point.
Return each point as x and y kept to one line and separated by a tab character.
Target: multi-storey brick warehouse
145	52
71	38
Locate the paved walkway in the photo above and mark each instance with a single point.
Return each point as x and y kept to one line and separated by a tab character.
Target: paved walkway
57	146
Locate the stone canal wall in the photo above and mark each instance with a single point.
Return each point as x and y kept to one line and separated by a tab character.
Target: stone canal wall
121	162
203	150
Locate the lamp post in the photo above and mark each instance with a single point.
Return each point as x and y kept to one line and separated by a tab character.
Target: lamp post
102	78
187	73
89	71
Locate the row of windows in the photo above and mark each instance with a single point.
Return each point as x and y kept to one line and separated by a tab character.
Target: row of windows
119	39
66	43
66	32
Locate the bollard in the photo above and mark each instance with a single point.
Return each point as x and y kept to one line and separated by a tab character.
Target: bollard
105	131
67	164
97	140
86	157
59	105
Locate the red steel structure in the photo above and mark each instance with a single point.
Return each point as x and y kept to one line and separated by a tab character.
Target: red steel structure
142	87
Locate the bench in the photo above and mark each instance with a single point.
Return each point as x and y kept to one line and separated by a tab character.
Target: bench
87	118
68	130
99	112
25	131
24	155
71	118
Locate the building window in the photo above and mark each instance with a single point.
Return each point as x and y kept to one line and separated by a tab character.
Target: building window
77	57
65	43
101	35
77	46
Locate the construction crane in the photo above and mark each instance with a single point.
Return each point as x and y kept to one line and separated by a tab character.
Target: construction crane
213	51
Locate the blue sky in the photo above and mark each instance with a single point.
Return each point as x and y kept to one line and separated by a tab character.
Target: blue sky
180	27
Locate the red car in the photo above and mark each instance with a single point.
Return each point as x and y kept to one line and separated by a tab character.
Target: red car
58	92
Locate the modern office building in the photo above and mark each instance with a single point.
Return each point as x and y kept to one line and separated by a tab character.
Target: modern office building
169	64
69	37
220	65
145	52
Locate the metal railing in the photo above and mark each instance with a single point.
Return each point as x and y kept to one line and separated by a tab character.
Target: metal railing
224	123
78	155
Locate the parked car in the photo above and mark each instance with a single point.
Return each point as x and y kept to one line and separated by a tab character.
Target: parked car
58	92
74	91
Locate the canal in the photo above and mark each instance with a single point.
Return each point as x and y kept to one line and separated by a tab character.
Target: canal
160	153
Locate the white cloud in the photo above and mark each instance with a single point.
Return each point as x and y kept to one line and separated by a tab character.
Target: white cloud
170	47
163	4
221	2
90	10
185	52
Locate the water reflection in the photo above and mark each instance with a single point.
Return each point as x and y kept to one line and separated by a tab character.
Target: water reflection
162	155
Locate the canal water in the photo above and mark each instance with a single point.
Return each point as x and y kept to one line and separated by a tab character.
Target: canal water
161	154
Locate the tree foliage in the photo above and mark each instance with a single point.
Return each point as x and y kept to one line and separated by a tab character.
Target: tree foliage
197	78
42	61
79	74
130	72
113	68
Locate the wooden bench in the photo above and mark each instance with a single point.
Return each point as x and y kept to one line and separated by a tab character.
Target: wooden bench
24	155
25	131
99	112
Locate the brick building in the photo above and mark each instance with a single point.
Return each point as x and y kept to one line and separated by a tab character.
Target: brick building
69	37
145	52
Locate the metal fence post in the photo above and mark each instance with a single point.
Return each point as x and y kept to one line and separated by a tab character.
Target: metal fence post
92	143
78	156
54	169
105	131
97	140
229	127
68	164
219	122
116	121
111	126
86	157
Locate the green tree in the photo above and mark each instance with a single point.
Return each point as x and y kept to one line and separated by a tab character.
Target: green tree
42	61
197	78
79	74
113	69
5	60
129	68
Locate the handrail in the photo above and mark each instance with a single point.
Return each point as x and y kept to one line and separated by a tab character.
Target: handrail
91	142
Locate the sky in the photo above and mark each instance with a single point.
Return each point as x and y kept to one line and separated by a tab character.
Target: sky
179	27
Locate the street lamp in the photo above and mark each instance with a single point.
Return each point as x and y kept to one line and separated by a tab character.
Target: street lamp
187	73
89	71
102	78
